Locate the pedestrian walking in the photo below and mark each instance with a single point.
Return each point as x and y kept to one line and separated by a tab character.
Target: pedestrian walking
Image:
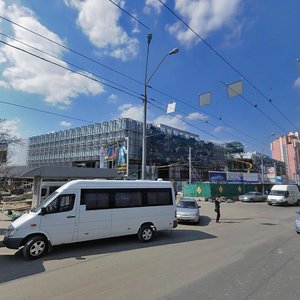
217	209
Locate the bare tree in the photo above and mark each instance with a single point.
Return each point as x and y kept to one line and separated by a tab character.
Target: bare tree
6	139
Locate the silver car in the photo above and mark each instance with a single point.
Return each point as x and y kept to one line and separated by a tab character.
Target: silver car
188	211
253	197
297	222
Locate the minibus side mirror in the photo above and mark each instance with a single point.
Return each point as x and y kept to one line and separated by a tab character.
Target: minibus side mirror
43	211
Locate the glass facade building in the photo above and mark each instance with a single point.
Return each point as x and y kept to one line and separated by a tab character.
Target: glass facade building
167	149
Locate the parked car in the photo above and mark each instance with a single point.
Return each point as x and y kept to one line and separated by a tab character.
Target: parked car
297	222
188	211
253	197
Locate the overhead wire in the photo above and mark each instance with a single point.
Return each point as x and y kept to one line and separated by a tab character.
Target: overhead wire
71	50
46	112
68	69
208	123
126	12
68	62
118	72
227	62
255	106
96	74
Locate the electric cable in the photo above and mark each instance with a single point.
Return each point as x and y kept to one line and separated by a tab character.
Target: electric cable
126	12
120	73
46	112
227	62
68	62
68	69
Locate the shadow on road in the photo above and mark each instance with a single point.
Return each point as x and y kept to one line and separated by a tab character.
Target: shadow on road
204	220
14	266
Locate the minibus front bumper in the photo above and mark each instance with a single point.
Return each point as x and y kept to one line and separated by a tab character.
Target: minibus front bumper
12	243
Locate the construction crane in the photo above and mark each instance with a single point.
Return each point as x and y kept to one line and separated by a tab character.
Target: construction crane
244	162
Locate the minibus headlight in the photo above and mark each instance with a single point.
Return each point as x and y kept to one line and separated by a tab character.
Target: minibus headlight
10	231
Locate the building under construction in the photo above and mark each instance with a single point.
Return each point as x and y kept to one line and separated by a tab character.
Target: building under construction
99	145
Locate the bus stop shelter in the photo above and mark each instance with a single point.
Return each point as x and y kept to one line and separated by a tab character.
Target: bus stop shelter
40	174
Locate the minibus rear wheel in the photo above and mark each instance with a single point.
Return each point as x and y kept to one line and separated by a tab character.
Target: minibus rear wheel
35	247
146	233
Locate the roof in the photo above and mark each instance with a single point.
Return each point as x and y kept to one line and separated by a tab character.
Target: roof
60	172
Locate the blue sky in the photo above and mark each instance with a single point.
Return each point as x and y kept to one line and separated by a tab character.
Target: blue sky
259	39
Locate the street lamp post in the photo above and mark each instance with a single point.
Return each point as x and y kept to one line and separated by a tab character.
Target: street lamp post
262	165
146	83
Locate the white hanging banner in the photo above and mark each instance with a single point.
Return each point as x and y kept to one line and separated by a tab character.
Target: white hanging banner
171	107
205	99
235	89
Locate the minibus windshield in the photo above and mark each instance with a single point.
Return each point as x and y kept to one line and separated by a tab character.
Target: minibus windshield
277	193
47	199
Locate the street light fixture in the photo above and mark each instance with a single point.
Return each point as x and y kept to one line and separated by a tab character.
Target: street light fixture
262	164
146	83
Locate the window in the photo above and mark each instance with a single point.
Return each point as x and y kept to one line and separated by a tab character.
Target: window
43	192
61	204
53	189
128	198
95	199
156	197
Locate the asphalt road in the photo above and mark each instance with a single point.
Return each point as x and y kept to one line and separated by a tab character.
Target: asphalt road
252	254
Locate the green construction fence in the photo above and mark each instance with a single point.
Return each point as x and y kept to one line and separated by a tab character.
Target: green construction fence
228	190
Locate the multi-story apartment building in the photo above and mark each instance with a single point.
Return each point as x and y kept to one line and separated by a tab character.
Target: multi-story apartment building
167	149
286	148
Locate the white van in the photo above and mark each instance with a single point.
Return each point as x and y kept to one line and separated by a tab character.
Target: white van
284	195
83	210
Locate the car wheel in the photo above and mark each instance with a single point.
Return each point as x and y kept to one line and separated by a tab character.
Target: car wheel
298	202
35	247
146	233
251	200
269	203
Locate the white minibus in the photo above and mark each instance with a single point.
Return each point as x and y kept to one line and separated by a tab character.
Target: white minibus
284	194
83	210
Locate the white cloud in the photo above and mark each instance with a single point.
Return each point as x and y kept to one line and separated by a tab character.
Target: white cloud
219	129
153	5
135	24
197	116
31	75
65	123
173	121
3	84
12	126
131	111
100	23
112	98
297	82
204	16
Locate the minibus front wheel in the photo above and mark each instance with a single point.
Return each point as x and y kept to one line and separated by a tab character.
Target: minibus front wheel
35	247
146	233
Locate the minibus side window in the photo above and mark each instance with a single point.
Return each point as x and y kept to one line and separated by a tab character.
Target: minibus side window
95	199
156	197
61	204
128	198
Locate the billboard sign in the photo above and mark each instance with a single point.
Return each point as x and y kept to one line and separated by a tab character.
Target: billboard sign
217	176
250	177
114	156
234	177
